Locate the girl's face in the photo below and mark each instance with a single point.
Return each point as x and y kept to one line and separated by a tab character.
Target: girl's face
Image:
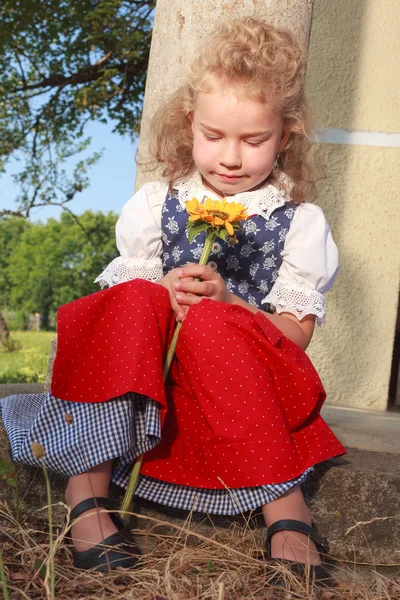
235	140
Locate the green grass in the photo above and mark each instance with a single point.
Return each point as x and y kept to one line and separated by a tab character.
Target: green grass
29	363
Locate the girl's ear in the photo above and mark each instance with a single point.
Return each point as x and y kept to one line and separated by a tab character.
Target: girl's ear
190	117
284	139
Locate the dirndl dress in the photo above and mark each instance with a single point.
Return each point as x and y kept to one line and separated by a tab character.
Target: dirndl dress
237	423
239	414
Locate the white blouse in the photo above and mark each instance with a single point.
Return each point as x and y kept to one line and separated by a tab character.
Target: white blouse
310	256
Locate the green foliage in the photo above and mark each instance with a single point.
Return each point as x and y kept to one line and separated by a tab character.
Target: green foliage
56	262
28	364
40	566
10	345
42	296
11	230
7	469
16	320
8	473
63	64
196	227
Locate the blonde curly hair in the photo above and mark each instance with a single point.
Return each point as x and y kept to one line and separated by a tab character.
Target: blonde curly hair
268	63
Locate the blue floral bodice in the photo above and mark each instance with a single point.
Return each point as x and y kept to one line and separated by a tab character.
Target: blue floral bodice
249	268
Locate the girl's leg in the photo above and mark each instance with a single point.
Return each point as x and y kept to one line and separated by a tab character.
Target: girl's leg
291	545
93	527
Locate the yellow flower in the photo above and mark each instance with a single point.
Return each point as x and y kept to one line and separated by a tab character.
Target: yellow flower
218	213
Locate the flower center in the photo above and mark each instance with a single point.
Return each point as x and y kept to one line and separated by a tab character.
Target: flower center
221	215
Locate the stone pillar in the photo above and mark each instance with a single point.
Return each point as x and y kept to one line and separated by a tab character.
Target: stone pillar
353	80
181	25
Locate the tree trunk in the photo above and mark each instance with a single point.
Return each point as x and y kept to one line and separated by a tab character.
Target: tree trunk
4	332
180	25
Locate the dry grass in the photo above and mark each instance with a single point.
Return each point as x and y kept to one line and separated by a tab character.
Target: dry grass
182	565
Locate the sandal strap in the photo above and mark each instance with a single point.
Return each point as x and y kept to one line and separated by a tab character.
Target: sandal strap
89	503
300	527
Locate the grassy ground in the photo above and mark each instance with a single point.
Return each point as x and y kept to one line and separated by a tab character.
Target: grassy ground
28	363
181	560
181	566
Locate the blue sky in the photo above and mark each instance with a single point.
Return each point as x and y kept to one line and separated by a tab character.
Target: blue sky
112	179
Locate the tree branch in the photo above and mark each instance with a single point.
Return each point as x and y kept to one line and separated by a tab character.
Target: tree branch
12	213
73	215
85	75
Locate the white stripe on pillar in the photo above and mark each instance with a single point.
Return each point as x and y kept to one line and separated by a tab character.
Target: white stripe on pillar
358	138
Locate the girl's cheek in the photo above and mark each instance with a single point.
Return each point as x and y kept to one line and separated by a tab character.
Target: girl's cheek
203	144
202	150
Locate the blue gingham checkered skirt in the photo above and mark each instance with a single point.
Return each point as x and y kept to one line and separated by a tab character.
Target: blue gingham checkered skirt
123	429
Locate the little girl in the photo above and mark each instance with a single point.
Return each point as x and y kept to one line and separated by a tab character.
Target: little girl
237	425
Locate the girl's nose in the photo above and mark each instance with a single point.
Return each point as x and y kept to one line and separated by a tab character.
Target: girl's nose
230	155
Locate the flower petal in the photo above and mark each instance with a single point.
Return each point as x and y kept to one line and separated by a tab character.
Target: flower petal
229	228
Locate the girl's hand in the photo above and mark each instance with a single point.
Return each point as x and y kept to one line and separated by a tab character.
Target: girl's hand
168	281
211	285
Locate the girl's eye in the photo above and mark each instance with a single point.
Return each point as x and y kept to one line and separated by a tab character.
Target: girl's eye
254	144
210	138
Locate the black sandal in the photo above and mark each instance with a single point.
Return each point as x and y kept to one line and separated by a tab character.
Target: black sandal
317	573
119	548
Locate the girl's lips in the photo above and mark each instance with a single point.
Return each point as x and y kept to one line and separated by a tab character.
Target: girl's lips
231	178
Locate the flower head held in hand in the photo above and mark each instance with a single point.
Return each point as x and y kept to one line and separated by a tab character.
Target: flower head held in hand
220	217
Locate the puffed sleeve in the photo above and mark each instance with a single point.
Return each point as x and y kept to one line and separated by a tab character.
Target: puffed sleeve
138	233
309	267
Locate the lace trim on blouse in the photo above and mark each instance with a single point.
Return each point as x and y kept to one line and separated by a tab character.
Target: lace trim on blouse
123	269
262	201
298	300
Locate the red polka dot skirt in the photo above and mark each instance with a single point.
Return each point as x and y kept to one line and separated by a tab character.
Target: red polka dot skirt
241	404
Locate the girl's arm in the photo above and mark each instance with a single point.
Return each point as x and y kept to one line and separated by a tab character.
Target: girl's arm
138	236
300	332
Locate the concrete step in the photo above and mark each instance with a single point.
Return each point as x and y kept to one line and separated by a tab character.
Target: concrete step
365	429
9	389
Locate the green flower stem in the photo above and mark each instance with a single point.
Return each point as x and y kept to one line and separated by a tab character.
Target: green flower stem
171	350
51	541
134	476
205	255
131	487
3	579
